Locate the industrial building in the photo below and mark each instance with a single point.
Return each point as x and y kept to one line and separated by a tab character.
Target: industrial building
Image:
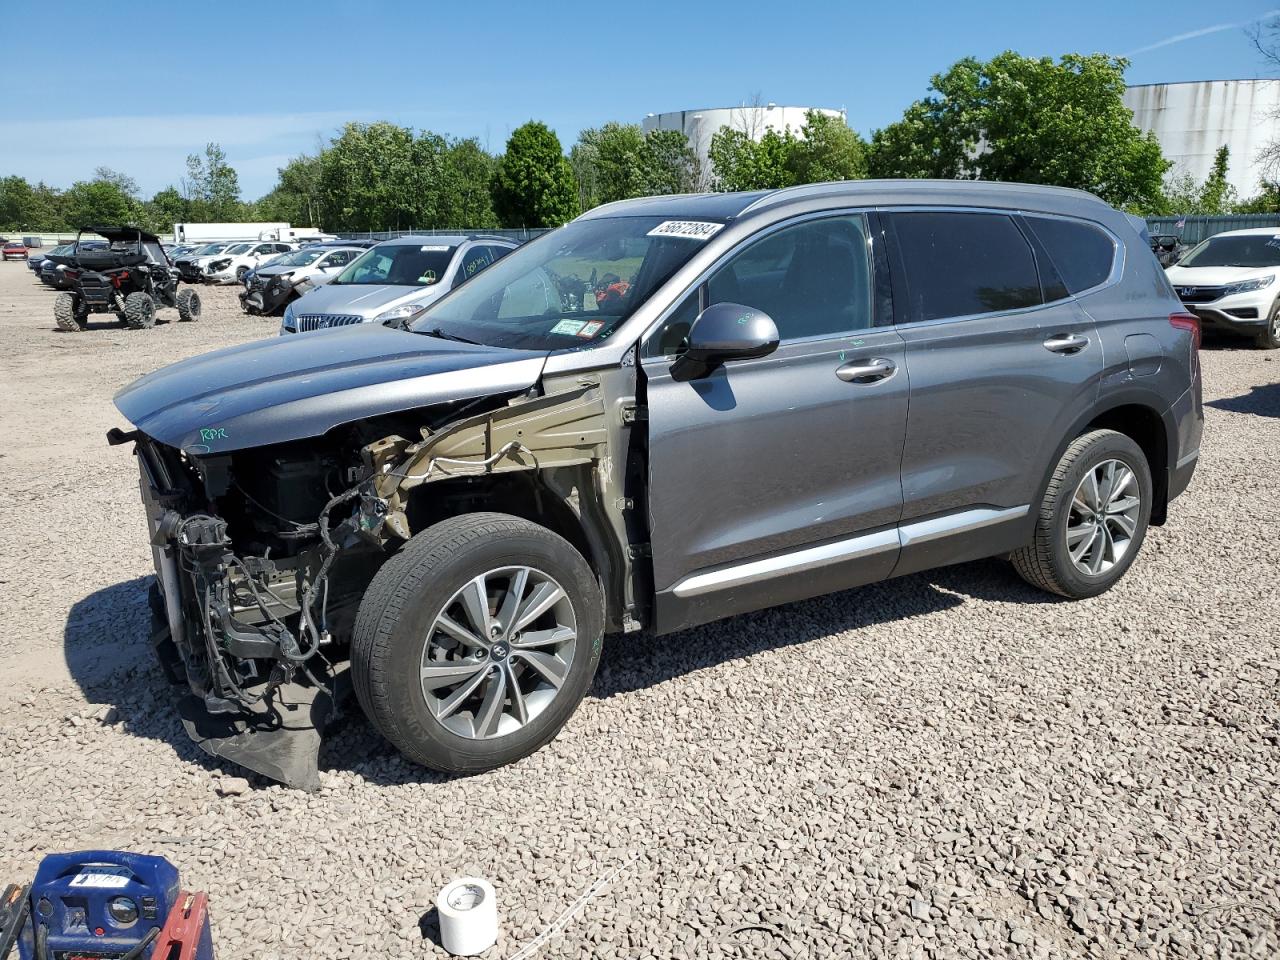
752	119
1193	120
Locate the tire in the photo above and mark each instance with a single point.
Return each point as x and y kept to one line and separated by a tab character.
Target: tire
240	272
139	311
64	311
188	306
1269	339
1047	561
397	625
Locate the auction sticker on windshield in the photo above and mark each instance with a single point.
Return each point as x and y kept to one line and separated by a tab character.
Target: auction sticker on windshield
590	329
569	327
689	229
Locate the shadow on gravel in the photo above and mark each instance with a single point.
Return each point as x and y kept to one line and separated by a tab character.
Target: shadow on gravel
1264	401
109	655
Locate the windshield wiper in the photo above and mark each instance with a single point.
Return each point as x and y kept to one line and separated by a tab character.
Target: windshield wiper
437	332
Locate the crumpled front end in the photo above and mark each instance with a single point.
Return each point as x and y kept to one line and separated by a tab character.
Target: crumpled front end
267	294
246	624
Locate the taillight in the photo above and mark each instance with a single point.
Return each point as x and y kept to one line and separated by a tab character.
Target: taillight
1189	322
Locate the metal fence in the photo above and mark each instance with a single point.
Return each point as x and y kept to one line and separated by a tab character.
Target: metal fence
519	235
1195	229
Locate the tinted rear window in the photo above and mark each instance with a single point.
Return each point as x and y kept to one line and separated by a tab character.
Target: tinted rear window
959	264
1083	254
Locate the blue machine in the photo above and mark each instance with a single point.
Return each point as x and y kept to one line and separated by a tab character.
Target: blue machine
109	905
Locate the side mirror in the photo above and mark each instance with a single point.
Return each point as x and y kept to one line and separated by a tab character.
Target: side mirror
725	331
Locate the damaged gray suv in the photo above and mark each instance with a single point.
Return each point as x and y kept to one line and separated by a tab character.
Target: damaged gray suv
669	411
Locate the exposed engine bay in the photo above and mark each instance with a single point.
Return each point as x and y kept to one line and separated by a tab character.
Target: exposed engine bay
264	554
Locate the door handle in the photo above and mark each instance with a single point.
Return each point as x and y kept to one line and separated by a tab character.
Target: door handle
866	371
1066	343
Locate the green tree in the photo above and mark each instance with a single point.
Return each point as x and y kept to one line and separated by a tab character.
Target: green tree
534	185
166	208
212	186
1030	120
740	163
24	206
670	164
370	178
466	201
827	150
99	203
1183	195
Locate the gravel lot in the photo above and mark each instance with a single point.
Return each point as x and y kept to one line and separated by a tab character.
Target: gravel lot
950	764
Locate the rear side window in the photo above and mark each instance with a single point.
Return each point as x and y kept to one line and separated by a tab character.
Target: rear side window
1082	253
960	264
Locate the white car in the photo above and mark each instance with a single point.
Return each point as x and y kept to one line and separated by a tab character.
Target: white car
1230	282
270	287
232	264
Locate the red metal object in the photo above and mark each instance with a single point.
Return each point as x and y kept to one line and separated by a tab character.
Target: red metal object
185	935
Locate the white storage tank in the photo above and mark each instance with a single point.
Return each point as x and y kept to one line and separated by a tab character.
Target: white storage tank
752	119
1193	120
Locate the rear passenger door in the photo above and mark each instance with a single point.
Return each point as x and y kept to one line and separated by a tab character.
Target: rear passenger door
1002	362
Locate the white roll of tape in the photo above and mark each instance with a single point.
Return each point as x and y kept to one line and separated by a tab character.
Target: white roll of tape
468	911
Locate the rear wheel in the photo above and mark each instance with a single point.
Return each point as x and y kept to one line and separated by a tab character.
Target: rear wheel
64	311
476	642
1093	517
240	272
139	311
188	305
1269	339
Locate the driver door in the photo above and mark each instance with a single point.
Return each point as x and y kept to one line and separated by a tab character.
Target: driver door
778	478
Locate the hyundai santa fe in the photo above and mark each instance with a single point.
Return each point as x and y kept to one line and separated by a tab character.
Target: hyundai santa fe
669	411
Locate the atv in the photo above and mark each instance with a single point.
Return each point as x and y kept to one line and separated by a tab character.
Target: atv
131	277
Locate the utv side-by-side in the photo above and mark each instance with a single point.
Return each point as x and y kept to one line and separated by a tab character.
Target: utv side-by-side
130	277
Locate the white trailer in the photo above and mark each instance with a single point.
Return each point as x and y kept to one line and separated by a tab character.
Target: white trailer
192	233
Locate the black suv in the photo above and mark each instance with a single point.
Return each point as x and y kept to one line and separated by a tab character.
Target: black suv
130	277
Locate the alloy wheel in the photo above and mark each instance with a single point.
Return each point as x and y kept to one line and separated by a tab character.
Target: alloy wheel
1103	517
498	652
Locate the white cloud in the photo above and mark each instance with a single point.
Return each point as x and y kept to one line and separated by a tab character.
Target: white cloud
1202	32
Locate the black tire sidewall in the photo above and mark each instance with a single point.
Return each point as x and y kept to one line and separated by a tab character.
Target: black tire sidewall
413	728
1114	446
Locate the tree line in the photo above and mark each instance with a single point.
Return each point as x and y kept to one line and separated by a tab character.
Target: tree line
1010	118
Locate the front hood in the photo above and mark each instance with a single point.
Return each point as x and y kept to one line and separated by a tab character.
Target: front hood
366	300
1215	276
294	387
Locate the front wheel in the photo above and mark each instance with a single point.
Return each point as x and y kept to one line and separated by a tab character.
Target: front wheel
475	643
1269	339
188	305
1093	517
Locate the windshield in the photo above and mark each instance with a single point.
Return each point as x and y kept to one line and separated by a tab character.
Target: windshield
209	249
568	288
299	258
398	264
1242	250
238	248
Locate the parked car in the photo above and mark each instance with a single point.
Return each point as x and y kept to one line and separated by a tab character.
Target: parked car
53	267
14	250
131	278
394	281
1229	282
35	261
785	393
232	264
270	287
191	265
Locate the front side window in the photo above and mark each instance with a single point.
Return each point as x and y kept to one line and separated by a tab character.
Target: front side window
961	264
1083	254
1247	250
237	249
399	264
569	288
813	278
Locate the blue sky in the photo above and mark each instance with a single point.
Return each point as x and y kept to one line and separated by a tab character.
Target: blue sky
269	80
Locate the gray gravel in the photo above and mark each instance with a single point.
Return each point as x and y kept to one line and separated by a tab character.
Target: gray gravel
947	765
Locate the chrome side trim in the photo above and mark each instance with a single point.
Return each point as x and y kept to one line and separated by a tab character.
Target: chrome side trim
809	558
935	528
838	551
